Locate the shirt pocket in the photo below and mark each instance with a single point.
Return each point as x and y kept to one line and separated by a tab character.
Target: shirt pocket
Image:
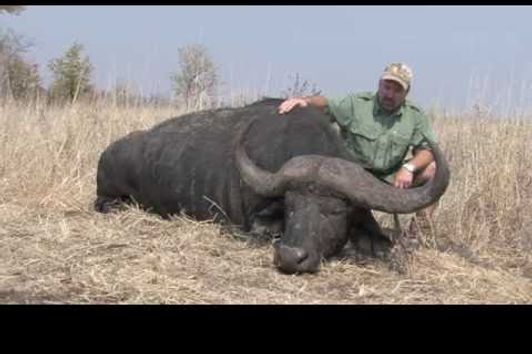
397	148
365	143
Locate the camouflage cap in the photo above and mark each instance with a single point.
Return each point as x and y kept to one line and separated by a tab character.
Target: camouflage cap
398	72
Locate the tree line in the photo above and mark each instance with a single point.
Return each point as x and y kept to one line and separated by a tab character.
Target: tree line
195	84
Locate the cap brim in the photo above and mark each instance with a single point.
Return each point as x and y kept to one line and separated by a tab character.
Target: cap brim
396	79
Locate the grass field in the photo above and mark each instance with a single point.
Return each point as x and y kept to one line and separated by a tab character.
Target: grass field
55	249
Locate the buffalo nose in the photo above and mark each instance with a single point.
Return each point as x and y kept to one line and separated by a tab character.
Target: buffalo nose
294	255
300	254
288	258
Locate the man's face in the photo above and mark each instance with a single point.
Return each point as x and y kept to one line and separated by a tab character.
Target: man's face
391	95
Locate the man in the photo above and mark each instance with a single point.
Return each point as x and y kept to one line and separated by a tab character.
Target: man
380	128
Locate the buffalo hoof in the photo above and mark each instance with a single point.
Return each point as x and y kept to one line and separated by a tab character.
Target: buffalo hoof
106	205
377	245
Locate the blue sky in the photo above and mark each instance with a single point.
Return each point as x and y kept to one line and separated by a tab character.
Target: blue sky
459	54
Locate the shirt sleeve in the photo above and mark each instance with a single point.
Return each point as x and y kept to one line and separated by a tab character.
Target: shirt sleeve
341	109
423	132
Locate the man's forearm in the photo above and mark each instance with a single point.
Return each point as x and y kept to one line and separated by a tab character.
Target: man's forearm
422	159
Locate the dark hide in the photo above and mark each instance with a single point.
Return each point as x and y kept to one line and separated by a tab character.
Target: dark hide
186	164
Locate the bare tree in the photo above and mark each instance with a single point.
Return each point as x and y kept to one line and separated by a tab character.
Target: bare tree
196	82
24	80
19	78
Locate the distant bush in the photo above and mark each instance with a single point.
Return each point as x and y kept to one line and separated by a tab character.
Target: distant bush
300	87
72	75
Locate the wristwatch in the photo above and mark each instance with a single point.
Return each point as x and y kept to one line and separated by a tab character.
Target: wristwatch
409	167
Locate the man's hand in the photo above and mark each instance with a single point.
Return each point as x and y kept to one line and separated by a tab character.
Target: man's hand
291	103
403	179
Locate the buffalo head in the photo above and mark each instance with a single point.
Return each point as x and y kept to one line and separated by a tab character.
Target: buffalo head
319	194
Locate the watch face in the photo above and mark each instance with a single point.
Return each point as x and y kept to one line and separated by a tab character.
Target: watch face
409	167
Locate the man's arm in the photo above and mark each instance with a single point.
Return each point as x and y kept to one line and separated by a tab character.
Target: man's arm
319	102
422	154
405	176
422	158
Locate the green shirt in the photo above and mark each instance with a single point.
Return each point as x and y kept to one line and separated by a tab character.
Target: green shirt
381	140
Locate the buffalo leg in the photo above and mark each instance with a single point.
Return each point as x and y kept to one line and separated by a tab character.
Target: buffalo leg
367	236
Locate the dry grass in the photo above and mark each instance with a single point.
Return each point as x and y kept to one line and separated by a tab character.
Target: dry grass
55	249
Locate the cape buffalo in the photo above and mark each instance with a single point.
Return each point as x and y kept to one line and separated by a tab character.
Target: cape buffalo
249	167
